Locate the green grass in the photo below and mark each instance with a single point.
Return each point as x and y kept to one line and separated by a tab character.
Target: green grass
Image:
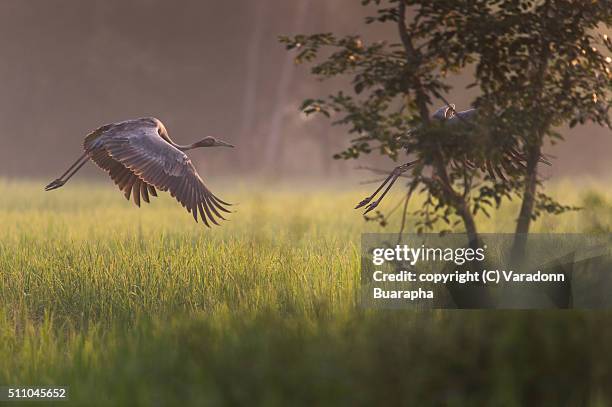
142	306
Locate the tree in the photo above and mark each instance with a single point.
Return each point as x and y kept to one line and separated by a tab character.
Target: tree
394	85
251	79
274	140
539	65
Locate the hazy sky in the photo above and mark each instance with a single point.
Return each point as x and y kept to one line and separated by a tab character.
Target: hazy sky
202	67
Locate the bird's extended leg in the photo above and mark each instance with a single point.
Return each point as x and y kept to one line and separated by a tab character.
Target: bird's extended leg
395	174
63	179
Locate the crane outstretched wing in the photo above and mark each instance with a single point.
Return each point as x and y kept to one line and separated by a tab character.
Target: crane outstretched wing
138	147
124	178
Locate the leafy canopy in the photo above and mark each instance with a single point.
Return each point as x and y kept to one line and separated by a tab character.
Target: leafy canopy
537	64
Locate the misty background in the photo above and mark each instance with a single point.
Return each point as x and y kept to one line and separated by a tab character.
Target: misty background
205	68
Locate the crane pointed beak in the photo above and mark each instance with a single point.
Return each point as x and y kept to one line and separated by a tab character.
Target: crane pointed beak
221	143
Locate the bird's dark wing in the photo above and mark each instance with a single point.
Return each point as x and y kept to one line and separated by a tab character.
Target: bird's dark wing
141	150
124	178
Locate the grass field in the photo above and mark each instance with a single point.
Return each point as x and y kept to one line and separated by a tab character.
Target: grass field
132	306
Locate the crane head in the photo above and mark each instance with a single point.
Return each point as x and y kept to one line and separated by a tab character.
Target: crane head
212	142
444	113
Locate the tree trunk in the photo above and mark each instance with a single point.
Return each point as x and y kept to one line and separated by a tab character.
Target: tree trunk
528	204
470	225
250	82
534	152
274	142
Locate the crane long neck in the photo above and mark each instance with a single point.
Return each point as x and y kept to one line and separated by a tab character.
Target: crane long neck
166	137
185	148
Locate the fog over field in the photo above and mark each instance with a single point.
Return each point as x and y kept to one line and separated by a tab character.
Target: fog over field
204	68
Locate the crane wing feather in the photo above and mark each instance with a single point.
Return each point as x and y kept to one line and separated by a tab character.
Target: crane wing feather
140	149
122	176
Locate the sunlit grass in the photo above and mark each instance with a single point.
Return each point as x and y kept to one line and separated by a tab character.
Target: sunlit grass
99	295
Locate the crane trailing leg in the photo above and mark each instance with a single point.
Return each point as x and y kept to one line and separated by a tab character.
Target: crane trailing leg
395	174
68	174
